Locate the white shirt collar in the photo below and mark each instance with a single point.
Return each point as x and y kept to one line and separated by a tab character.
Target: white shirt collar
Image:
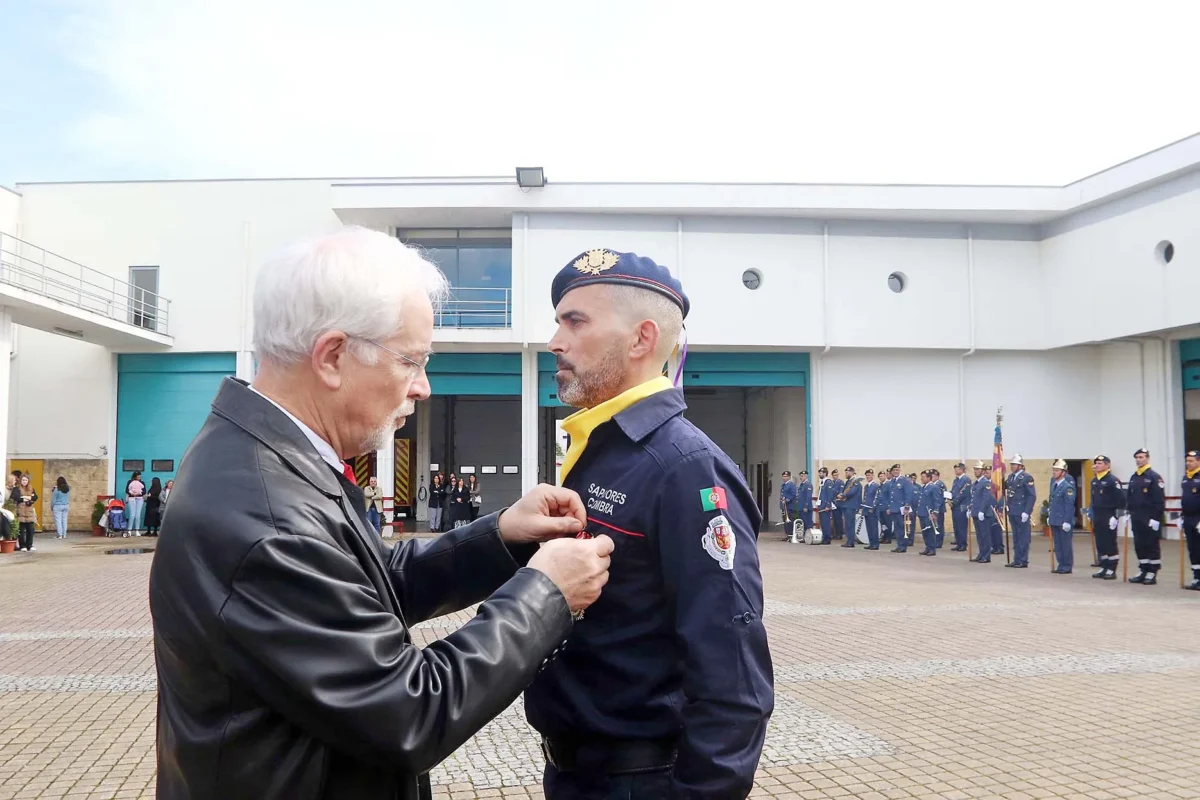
324	449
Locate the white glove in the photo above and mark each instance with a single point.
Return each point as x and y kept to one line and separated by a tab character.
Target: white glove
1154	524
981	516
1024	517
1112	523
1066	527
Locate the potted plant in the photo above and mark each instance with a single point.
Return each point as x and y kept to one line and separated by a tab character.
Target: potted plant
8	543
98	512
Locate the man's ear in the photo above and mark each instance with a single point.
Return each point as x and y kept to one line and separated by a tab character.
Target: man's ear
328	358
646	343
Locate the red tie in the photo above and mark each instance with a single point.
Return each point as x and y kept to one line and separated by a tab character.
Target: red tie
348	471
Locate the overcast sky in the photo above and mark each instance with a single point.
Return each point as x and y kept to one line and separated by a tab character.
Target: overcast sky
1007	92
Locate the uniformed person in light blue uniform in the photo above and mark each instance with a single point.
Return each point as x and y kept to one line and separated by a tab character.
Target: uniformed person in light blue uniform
1062	517
925	500
881	504
851	502
983	512
804	499
787	503
825	505
899	507
838	485
1022	497
870	510
937	513
960	506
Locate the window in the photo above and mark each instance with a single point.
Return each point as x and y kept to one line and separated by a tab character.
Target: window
1165	251
133	465
143	297
162	465
478	264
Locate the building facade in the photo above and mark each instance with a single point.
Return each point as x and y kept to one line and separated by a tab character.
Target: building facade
830	325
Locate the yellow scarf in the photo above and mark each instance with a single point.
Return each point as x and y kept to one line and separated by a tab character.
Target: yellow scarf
1193	473
579	426
1100	475
1142	470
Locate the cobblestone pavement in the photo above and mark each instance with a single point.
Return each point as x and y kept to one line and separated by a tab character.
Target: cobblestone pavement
897	676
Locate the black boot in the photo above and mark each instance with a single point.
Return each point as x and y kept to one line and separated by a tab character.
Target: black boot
1151	579
1141	578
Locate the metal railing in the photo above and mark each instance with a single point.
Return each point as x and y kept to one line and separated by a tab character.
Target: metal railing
476	308
37	270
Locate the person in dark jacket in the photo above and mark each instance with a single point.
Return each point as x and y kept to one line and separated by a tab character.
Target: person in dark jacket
437	495
154	505
286	670
460	507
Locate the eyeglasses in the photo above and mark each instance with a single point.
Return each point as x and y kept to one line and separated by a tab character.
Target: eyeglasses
424	362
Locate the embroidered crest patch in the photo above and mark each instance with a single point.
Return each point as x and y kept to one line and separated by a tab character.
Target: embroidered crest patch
593	262
719	541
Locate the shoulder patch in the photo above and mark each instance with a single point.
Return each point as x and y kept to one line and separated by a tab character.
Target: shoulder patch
719	541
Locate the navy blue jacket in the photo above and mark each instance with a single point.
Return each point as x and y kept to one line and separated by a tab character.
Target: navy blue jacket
1062	502
1022	494
675	647
885	495
1190	494
1147	495
1107	495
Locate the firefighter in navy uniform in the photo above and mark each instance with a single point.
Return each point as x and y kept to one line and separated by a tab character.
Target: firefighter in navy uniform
837	486
665	686
1147	506
1108	504
1190	506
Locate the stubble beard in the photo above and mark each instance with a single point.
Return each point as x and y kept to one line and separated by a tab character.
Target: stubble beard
587	389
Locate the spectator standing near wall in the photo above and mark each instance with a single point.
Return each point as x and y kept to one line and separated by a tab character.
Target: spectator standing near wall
60	505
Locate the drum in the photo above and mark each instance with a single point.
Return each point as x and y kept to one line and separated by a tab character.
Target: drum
812	536
860	530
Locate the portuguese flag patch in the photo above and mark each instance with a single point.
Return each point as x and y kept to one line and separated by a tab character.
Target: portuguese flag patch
713	498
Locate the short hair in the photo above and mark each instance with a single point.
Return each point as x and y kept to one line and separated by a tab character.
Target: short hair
351	280
639	304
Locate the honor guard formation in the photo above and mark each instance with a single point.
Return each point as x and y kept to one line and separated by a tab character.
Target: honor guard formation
892	508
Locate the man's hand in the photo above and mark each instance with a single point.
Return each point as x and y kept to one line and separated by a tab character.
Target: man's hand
1024	517
981	516
1154	525
1066	527
547	512
1112	523
578	567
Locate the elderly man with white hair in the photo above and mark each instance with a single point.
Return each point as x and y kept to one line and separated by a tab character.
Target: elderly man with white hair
281	621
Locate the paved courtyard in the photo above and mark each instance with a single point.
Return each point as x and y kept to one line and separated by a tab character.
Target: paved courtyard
897	676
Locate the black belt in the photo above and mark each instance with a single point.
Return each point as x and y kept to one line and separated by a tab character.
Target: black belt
609	756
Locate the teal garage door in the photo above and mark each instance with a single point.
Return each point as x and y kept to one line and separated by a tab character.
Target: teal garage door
485	374
162	400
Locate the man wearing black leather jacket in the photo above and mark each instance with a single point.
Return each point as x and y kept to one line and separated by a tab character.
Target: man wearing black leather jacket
285	665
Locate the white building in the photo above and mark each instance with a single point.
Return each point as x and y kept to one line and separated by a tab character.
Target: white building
1072	307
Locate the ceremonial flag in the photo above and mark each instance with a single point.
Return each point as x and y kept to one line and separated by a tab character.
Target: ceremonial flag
998	462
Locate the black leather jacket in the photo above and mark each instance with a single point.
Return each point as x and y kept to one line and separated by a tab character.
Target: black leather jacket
285	666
